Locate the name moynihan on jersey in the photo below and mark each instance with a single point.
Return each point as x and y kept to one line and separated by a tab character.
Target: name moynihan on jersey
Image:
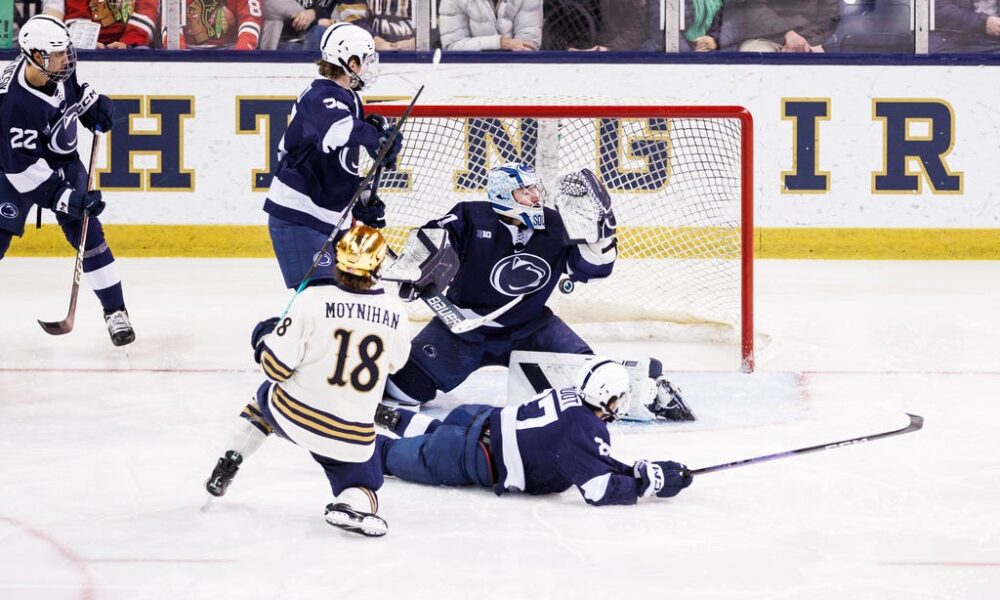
365	312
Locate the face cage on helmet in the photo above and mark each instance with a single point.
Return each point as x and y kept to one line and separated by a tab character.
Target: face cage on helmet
533	217
369	71
64	72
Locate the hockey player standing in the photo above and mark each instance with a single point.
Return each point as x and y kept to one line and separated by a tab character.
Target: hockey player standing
40	104
326	365
318	169
514	245
554	441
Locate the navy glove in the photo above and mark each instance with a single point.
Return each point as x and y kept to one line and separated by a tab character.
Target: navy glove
370	210
73	202
257	337
378	122
394	150
661	478
100	116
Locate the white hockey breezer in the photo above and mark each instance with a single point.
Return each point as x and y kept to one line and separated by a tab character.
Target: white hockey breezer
653	397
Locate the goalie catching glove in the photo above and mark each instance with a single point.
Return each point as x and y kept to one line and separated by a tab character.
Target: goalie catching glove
585	207
427	263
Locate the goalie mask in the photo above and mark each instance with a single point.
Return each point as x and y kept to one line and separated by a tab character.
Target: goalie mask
515	191
361	251
604	385
47	36
342	42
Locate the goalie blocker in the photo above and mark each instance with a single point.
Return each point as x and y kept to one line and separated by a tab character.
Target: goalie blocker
652	397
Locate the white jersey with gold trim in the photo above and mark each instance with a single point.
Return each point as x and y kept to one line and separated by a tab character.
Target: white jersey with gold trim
330	358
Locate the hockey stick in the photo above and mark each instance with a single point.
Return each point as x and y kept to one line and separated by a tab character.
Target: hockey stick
916	422
379	159
66	325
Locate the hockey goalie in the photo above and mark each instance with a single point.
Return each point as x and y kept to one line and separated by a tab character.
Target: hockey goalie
496	262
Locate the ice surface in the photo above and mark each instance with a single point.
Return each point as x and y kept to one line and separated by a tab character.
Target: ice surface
103	453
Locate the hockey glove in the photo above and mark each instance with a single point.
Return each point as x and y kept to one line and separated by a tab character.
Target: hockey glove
101	114
73	202
370	210
668	403
662	478
397	145
257	337
378	122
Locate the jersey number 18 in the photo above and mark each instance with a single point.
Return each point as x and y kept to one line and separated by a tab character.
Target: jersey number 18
369	350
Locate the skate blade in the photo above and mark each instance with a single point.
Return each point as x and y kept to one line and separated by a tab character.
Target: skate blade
369	525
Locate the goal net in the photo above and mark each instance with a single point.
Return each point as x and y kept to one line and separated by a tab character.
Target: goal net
680	178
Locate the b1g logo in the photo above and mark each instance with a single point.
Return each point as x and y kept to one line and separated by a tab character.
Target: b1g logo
520	274
8	211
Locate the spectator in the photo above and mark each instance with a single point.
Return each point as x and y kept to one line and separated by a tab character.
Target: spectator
601	25
487	25
389	21
54	8
965	26
295	24
124	24
779	25
222	24
702	24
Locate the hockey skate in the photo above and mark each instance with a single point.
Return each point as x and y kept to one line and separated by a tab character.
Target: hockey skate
119	327
344	517
386	416
668	403
223	473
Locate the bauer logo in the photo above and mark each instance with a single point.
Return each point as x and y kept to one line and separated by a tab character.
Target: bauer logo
520	274
8	211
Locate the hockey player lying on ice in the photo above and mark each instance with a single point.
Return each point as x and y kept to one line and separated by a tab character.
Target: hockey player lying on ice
553	441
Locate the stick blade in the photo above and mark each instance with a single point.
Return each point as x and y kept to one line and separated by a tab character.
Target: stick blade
916	422
57	328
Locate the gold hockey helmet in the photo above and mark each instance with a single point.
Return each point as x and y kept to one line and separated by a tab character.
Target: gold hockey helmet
361	251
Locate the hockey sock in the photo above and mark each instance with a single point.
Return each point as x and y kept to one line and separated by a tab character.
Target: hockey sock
101	273
412	424
246	439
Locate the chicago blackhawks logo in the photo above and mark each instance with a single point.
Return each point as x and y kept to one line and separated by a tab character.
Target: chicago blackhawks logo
208	20
520	274
112	11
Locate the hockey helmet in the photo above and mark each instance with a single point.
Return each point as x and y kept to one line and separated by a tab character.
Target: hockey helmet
361	251
49	37
600	383
343	41
501	184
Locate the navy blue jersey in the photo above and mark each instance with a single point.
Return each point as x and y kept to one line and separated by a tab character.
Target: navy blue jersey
38	132
554	441
501	261
318	157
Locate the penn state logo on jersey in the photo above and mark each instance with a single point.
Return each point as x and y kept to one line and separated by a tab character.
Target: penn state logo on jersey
520	274
324	261
348	157
8	211
62	138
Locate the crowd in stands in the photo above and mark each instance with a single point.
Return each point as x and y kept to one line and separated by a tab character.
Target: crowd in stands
530	25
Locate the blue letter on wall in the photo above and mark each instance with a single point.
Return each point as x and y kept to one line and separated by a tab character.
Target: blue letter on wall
917	133
273	113
805	115
166	142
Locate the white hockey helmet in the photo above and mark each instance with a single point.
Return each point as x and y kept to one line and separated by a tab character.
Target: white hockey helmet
49	37
600	383
343	41
501	183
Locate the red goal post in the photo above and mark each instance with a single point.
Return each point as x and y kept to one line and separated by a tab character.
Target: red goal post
681	180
